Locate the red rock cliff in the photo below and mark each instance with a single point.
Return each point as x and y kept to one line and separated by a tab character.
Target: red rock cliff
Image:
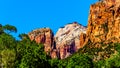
66	41
43	36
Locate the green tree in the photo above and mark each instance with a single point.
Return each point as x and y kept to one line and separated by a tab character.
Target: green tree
8	58
7	48
1	29
9	28
54	63
79	61
23	36
100	64
31	55
7	41
62	63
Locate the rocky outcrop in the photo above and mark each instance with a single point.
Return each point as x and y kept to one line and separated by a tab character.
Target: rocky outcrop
68	39
43	36
104	22
64	43
82	40
103	26
103	30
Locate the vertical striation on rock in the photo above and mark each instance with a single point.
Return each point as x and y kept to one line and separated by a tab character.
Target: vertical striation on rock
103	26
64	43
43	36
104	22
68	39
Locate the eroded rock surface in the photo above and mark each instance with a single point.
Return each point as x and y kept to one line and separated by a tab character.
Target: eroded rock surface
43	36
104	22
103	26
68	39
103	29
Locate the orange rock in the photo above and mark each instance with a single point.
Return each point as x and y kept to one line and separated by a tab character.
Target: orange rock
54	54
104	22
82	39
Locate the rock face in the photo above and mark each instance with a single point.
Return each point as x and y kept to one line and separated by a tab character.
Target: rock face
82	40
104	22
103	26
43	36
64	43
68	39
103	29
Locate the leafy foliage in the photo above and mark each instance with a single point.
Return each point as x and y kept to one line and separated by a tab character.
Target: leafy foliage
79	61
9	28
31	55
27	54
23	36
8	58
7	41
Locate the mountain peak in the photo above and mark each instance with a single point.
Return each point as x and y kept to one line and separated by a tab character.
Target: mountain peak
69	32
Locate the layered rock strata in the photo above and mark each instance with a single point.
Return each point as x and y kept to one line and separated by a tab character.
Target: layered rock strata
103	26
64	43
43	36
68	39
104	22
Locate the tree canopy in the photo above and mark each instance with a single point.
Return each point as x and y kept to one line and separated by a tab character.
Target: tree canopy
25	53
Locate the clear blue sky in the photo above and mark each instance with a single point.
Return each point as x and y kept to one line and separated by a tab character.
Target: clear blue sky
27	15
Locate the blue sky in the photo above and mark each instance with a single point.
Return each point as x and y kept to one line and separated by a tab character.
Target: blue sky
28	15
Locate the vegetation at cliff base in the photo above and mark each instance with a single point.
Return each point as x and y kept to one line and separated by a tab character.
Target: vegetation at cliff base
25	53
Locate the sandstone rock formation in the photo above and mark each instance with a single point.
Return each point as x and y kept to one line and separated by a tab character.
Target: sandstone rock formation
103	26
104	22
68	39
43	36
103	29
82	40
